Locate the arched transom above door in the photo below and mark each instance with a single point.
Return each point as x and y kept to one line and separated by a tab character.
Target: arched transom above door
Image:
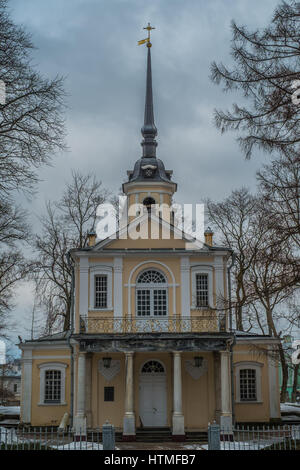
153	367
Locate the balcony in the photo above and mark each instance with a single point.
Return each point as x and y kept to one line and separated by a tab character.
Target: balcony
172	324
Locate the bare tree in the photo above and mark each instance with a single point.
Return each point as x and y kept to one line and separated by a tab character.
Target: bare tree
31	123
233	219
279	185
64	226
266	64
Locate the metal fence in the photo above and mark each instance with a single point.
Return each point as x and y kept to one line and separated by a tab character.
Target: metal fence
284	437
53	439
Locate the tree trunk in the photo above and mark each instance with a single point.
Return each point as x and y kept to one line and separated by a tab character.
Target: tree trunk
285	372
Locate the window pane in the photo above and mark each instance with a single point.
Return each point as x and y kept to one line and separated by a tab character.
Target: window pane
248	385
201	290
100	291
143	302
52	386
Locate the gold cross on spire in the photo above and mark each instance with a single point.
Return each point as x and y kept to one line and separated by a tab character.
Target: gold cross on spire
147	40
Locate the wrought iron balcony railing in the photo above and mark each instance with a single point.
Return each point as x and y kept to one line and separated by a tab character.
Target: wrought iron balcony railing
173	324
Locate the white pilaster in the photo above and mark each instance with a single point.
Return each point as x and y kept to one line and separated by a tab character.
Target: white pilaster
80	418
26	386
273	388
129	417
226	402
219	276
185	286
177	418
84	286
118	286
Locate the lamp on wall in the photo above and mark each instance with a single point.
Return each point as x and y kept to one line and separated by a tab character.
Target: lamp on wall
198	360
107	362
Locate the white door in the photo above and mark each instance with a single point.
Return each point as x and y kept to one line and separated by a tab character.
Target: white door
153	400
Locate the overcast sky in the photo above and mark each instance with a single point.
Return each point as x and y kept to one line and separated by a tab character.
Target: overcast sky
93	43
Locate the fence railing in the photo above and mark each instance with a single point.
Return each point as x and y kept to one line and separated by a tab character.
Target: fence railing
172	324
53	439
281	437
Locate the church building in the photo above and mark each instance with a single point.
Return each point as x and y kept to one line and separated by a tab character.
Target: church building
151	343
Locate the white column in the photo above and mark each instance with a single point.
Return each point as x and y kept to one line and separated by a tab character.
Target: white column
88	390
226	402
26	386
84	286
129	417
178	418
80	418
118	288
185	286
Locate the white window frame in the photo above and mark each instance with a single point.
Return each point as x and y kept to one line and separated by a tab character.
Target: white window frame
151	286
100	271
257	366
53	366
208	270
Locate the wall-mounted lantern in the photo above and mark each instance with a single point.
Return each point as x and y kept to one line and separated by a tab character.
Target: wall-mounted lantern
107	362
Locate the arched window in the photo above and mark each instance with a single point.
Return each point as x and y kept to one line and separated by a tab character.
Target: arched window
151	294
153	367
148	202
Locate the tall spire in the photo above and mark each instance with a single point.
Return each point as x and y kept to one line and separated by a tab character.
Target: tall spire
149	130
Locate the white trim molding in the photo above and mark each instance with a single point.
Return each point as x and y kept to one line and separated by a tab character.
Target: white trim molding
60	366
257	366
202	269
105	270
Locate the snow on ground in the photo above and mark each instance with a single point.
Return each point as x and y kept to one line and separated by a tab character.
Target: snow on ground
292	407
9	410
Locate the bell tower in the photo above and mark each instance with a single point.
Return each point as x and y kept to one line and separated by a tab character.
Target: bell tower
149	182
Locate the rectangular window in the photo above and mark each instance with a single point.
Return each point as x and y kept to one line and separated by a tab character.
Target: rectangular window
248	385
109	393
101	291
52	386
201	290
15	388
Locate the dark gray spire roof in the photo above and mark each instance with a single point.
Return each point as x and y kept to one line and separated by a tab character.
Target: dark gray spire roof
149	131
149	168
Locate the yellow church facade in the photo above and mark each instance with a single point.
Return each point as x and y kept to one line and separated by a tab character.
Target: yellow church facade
151	343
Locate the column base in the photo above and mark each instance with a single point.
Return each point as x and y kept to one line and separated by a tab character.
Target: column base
129	427
226	433
79	427
178	427
180	438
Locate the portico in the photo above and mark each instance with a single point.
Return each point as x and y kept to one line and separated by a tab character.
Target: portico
149	377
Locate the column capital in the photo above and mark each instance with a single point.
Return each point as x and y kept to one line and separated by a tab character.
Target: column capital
129	353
